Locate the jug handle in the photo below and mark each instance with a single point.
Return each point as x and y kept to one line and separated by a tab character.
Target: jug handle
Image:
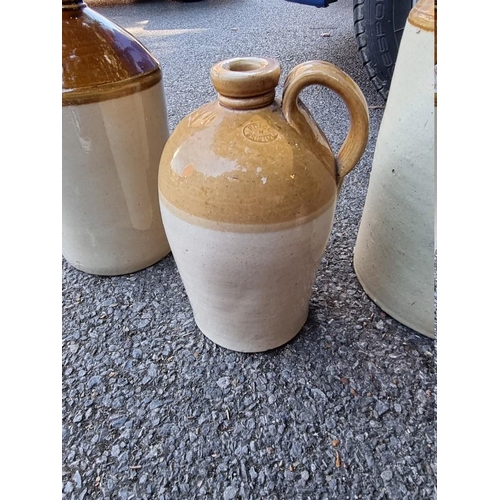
324	73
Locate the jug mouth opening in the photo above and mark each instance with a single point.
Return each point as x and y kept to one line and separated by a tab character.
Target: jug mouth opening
246	82
245	64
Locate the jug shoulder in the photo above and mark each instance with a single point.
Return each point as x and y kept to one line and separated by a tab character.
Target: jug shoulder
246	167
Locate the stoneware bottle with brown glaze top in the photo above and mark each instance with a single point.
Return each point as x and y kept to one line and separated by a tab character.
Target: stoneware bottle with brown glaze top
114	128
394	253
248	188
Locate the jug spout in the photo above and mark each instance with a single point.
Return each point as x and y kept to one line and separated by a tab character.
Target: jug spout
246	82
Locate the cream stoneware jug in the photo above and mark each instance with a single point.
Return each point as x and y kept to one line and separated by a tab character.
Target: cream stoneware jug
114	128
394	252
248	187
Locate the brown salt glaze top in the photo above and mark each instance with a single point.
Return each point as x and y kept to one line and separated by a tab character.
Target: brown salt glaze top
238	160
422	15
219	164
100	60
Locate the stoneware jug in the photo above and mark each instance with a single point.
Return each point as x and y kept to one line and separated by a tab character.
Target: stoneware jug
394	252
114	128
247	193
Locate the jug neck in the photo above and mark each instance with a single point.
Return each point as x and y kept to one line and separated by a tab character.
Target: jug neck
246	82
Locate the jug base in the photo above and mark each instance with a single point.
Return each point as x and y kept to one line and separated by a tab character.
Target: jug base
273	341
414	324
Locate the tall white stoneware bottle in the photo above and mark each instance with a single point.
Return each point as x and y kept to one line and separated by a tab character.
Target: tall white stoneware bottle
114	128
248	188
394	252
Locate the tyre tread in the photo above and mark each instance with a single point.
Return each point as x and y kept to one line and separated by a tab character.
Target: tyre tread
360	16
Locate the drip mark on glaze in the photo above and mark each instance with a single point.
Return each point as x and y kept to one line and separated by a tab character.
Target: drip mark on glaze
201	119
188	170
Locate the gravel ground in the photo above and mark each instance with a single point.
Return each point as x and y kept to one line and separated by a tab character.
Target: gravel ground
154	410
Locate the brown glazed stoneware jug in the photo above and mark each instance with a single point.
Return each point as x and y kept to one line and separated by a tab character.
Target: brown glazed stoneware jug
248	188
114	128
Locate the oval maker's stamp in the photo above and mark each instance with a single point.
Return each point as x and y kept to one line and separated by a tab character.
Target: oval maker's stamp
259	133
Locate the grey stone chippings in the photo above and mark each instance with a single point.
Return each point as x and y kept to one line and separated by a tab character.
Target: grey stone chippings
386	475
230	493
154	410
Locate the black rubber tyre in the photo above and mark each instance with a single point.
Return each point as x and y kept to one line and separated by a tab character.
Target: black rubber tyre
379	25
